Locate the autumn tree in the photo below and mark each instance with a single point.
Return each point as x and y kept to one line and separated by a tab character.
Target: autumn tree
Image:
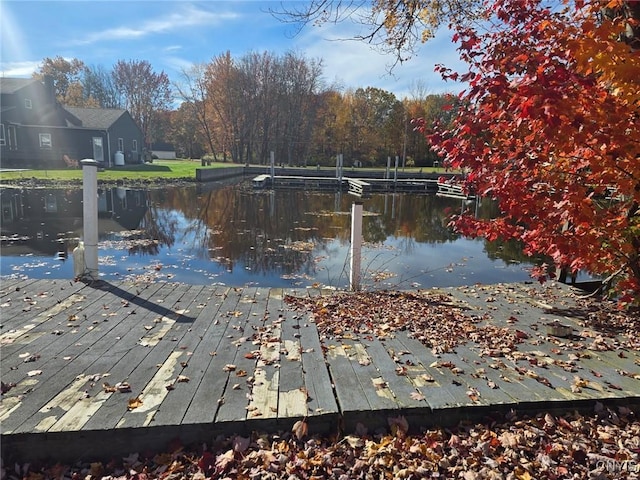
193	89
550	128
185	132
431	109
145	92
391	26
98	85
67	79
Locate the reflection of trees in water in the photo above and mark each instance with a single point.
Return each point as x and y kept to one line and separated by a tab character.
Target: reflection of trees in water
280	231
509	251
160	224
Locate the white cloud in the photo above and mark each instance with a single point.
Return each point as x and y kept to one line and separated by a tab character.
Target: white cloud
188	16
358	64
18	69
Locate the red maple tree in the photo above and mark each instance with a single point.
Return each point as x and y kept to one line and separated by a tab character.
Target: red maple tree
550	127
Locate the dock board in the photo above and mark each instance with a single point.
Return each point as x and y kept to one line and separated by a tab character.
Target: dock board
120	367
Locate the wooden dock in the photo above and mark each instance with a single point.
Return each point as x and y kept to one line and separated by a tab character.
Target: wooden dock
362	187
90	371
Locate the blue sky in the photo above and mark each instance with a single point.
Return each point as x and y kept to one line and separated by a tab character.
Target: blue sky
172	35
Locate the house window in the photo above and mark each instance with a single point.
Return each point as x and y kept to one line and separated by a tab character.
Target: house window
45	140
135	146
3	139
121	145
27	103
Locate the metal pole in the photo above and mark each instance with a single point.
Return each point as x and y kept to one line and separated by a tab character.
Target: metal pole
90	217
356	246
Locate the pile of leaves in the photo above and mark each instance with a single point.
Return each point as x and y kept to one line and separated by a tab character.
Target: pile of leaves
434	319
441	323
604	444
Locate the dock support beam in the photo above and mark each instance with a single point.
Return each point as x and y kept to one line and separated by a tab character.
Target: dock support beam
356	246
90	218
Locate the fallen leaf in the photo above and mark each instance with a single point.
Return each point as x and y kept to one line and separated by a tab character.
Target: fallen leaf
109	388
300	429
123	387
398	425
417	396
134	403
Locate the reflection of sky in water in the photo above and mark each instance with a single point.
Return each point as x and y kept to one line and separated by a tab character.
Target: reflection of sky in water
455	263
390	264
196	252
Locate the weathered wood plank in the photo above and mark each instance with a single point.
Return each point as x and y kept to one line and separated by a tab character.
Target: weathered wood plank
202	342
474	380
71	326
251	322
89	363
164	362
9	286
321	400
215	347
37	297
195	331
393	371
438	388
375	386
263	400
122	356
176	403
293	394
350	393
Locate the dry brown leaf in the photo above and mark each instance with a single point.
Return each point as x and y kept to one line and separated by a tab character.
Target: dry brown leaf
109	388
398	425
300	429
134	403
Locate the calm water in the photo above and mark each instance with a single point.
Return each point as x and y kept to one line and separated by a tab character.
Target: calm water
232	235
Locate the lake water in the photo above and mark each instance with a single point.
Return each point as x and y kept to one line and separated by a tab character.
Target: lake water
233	235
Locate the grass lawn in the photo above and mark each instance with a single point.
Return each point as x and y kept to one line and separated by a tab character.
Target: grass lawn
150	171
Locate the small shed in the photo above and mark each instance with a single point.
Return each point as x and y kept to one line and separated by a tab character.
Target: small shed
163	150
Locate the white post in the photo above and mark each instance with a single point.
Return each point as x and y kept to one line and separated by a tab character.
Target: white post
395	173
356	246
338	165
90	217
386	173
273	167
341	165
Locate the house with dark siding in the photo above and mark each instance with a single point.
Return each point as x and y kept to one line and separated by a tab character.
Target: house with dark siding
38	132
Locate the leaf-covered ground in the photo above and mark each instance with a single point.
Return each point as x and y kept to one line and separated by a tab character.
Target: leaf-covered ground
604	444
441	323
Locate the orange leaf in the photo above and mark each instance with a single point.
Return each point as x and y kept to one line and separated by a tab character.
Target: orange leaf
134	403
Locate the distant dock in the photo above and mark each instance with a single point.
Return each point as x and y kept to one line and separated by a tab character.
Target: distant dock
362	187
